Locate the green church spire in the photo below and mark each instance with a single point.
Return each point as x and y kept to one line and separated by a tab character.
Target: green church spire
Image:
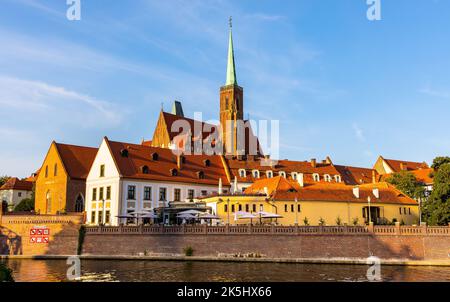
231	69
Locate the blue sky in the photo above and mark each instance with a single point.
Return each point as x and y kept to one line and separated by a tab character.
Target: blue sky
340	85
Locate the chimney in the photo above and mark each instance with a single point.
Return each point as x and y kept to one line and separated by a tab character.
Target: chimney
376	193
374	176
328	161
179	161
403	166
356	192
313	163
266	191
300	179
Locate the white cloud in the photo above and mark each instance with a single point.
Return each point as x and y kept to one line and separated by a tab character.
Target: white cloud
359	133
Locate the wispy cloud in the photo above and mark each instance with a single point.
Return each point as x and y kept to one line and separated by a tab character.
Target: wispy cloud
359	133
435	93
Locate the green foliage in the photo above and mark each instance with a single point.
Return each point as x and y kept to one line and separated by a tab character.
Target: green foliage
306	221
5	273
26	205
436	209
4	179
355	221
338	221
408	184
439	161
321	221
81	235
188	251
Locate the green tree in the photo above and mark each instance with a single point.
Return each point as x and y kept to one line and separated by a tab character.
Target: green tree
5	273
436	209
408	184
4	179
439	161
26	205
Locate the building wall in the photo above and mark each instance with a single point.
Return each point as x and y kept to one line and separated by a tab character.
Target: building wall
55	185
14	197
160	137
312	210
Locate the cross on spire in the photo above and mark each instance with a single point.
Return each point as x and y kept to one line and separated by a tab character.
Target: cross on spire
230	21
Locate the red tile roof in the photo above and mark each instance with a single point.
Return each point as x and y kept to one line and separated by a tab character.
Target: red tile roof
139	156
356	175
17	184
279	188
396	165
77	160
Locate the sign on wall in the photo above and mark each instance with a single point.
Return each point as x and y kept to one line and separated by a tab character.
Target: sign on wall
39	234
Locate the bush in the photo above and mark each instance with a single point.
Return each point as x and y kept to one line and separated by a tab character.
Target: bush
321	221
25	205
306	221
338	221
355	221
188	251
5	273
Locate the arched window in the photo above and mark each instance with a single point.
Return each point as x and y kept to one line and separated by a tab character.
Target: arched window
55	170
337	178
201	175
282	174
327	178
255	173
316	177
48	202
174	172
294	175
46	171
124	153
269	174
155	156
145	170
242	173
79	204
207	163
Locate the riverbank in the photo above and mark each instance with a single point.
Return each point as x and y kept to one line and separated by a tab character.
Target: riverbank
344	261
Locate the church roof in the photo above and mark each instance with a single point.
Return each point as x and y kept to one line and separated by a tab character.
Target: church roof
77	160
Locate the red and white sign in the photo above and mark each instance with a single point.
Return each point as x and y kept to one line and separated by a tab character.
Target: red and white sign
39	234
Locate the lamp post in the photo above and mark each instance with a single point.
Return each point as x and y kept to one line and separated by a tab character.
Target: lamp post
296	211
103	211
368	201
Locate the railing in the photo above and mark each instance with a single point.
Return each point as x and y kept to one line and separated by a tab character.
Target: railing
269	230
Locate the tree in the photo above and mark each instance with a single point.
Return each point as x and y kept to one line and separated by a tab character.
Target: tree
5	273
4	179
26	205
437	208
439	161
408	184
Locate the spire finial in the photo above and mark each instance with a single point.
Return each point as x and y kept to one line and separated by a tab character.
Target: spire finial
231	21
231	69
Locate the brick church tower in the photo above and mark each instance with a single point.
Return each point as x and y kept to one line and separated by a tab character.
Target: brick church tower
231	103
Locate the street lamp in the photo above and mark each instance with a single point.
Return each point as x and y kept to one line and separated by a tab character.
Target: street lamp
368	201
103	212
296	211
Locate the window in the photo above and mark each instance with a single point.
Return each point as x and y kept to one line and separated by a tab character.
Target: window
282	174
225	208
108	193
190	194
261	207
55	170
174	172
204	192
162	194
246	207
285	207
327	178
132	192
79	204
239	207
107	217
145	170
337	178
48	202
404	211
100	217
409	211
20	194
201	175
269	174
207	163
176	194
100	193
155	156
102	170
242	173
46	171
316	177
94	194
400	209
232	208
255	173
93	217
254	208
147	193
299	208
124	153
292	208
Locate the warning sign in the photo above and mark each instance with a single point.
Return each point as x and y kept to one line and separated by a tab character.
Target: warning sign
39	234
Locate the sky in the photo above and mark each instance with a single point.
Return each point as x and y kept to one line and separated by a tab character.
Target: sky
340	85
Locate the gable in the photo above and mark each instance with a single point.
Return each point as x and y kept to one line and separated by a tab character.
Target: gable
103	157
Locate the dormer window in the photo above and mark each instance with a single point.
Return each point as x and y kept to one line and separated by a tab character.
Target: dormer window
155	156
316	177
282	174
207	163
242	173
124	153
145	170
269	174
327	178
255	173
294	175
174	172
201	175
337	178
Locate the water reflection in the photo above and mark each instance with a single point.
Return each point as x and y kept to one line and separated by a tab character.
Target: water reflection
144	271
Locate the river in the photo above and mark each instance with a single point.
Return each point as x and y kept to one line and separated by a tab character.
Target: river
148	271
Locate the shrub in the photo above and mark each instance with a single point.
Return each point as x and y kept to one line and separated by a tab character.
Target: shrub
321	221
5	273
355	221
338	221
188	251
25	205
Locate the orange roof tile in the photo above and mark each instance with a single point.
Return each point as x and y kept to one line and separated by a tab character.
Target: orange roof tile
356	175
17	184
396	165
77	160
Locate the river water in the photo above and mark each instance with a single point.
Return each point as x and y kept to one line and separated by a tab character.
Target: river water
108	270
